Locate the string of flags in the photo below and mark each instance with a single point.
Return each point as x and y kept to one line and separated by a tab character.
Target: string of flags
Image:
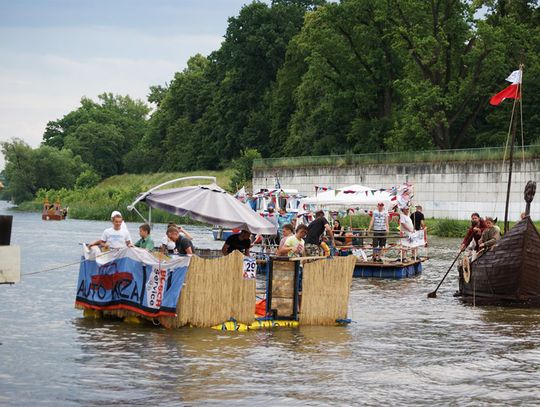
393	191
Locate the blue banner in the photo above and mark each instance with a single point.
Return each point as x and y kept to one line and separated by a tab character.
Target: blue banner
131	279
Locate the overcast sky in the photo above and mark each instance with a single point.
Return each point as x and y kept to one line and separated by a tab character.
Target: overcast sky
53	52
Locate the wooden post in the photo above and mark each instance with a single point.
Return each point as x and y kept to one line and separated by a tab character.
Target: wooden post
5	229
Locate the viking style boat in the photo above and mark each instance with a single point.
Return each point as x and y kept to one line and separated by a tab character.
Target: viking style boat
509	273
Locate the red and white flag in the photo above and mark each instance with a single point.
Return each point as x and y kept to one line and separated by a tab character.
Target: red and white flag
511	92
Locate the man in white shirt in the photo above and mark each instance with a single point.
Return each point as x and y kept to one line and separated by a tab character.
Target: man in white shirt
406	228
115	237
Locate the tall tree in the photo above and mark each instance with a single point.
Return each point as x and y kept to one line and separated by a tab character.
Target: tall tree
346	97
28	170
127	116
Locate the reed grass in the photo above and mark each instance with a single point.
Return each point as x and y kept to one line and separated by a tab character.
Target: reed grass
325	290
214	291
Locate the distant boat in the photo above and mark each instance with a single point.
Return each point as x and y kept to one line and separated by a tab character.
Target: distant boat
53	212
220	233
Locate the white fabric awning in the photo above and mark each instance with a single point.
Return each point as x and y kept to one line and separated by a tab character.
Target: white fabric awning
210	204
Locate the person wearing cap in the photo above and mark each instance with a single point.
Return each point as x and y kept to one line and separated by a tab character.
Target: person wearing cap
117	213
380	227
240	241
114	237
315	233
417	218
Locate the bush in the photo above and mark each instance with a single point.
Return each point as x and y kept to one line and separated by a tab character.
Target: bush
448	227
87	179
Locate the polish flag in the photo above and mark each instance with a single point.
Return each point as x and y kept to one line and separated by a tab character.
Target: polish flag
511	92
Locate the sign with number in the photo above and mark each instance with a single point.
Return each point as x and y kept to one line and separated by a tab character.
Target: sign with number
250	268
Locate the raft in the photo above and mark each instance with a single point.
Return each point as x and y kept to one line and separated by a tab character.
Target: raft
215	292
391	270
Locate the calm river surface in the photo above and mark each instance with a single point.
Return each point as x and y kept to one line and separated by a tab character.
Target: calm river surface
402	349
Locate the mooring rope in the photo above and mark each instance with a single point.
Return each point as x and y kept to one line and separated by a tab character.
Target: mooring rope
51	269
60	267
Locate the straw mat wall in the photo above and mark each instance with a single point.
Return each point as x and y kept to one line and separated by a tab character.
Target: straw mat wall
213	292
326	286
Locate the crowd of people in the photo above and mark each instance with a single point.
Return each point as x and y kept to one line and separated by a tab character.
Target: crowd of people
177	240
481	235
300	240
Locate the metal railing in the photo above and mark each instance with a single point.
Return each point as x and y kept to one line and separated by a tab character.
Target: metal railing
431	156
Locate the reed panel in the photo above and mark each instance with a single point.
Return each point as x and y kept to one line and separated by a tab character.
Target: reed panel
326	286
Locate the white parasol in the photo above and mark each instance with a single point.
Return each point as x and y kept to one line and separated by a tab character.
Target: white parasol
209	204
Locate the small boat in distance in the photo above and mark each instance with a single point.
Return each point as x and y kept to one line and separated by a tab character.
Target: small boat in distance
53	212
220	233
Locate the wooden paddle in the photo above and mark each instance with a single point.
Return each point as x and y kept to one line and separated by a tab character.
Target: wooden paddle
434	293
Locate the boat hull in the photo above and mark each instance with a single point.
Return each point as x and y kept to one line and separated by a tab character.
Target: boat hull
223	234
390	271
52	217
508	274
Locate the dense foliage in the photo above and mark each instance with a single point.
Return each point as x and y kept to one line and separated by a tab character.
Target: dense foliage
300	77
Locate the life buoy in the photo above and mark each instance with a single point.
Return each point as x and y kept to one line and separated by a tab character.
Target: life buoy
466	267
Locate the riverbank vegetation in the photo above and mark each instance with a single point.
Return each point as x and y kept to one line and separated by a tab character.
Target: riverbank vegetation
436	227
116	193
305	78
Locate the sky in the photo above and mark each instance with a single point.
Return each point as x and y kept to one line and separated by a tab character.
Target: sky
53	52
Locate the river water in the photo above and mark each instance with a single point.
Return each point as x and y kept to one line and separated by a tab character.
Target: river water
401	349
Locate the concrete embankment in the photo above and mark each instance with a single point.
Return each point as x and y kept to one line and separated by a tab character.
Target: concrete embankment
445	190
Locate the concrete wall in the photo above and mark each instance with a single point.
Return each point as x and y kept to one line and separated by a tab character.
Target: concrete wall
445	190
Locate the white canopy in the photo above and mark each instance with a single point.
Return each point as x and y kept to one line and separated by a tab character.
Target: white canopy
350	196
210	204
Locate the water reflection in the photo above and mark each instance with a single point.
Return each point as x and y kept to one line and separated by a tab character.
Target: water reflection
401	349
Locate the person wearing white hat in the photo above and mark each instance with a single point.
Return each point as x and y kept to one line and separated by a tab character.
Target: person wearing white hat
123	226
114	237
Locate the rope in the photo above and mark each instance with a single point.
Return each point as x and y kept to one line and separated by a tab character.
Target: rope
50	269
59	267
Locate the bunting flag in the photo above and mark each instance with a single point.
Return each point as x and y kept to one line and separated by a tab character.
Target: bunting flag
510	92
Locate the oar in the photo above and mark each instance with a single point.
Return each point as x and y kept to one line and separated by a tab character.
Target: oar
434	293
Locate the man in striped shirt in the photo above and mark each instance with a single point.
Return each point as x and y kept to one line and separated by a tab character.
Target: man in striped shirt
379	225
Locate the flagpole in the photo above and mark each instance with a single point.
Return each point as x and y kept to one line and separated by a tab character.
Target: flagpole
511	160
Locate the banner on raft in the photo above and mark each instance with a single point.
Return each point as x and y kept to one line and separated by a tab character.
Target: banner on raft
130	279
415	239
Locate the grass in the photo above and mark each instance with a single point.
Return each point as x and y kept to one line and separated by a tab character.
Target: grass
436	227
431	156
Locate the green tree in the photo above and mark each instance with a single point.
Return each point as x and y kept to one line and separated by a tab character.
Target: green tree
243	168
87	179
346	97
100	145
127	116
28	170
